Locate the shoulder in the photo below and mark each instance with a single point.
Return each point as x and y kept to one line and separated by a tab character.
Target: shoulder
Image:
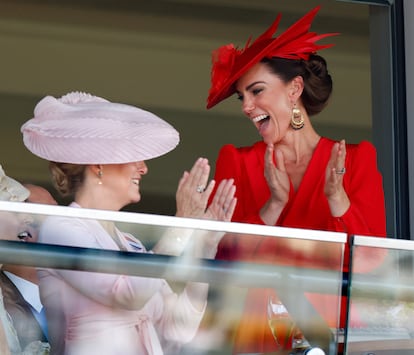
361	148
63	230
244	150
61	222
364	149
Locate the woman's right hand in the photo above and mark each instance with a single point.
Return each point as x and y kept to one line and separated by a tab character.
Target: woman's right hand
279	186
334	182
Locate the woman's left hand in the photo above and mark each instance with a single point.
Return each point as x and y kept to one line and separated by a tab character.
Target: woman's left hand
193	191
224	202
334	189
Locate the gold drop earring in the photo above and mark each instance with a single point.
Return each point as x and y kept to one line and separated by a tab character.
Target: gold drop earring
296	121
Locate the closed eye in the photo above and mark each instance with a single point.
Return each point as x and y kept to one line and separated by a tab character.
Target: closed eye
257	91
254	91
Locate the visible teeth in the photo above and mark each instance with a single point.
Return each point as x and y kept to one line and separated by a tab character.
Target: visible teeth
135	181
259	118
24	235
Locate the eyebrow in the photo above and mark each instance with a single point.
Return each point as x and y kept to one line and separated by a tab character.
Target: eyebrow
248	87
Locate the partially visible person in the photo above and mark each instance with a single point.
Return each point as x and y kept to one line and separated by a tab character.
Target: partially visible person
20	283
293	177
97	151
18	287
39	194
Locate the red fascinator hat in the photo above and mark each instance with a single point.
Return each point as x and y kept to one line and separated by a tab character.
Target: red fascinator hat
230	63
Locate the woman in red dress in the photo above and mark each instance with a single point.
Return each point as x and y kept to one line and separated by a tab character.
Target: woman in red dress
293	177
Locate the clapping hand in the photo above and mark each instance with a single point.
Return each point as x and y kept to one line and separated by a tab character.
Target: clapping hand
334	188
279	185
194	191
224	202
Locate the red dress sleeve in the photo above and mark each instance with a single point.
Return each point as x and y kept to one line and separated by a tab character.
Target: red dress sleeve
363	184
232	162
307	208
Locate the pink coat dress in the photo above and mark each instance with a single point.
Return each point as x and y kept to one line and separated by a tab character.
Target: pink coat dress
106	314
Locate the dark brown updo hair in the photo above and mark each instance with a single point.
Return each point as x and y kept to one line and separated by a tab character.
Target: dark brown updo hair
67	178
314	71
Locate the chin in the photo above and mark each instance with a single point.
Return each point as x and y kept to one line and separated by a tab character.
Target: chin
268	140
136	199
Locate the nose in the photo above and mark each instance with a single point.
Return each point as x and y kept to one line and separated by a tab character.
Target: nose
142	167
247	106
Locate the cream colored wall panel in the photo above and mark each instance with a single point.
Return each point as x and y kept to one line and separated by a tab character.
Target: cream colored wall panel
162	71
160	60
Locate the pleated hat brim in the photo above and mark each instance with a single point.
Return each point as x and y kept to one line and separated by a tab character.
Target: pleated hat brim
83	129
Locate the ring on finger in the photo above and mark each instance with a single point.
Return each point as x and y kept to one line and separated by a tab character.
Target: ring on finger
340	171
200	188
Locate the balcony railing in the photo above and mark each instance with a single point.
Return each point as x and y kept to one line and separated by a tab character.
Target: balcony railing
379	283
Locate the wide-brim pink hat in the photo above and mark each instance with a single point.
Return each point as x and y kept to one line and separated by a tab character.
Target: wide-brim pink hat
80	128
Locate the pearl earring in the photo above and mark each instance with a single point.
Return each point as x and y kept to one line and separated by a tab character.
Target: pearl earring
100	173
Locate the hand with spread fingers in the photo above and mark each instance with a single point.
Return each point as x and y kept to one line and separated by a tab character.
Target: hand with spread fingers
221	208
192	197
223	203
279	185
194	190
334	188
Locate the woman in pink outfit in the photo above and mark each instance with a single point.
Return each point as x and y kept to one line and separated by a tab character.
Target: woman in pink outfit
97	152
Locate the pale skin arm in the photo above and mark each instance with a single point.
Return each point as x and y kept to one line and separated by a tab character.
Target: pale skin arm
191	203
221	208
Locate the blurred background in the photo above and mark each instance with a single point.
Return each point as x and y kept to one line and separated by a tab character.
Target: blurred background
156	55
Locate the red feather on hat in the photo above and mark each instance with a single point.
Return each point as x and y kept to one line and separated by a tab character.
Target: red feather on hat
230	63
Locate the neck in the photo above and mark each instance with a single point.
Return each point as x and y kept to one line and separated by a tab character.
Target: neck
94	197
298	146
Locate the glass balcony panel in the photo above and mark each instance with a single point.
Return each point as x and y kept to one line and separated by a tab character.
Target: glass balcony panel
302	267
381	297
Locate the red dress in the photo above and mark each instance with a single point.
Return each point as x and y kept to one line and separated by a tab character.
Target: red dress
307	208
